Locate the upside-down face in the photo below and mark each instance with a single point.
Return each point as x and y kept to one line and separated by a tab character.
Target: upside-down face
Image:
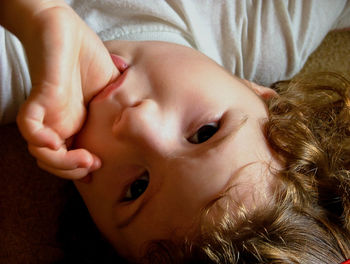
173	132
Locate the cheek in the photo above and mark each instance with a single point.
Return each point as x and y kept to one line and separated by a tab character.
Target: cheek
93	137
93	202
85	137
99	202
96	194
97	126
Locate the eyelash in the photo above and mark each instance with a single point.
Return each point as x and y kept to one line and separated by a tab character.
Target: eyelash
214	128
144	180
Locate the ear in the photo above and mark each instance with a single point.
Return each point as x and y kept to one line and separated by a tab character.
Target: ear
264	92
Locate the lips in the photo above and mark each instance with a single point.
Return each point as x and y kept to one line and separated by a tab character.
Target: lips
119	63
122	66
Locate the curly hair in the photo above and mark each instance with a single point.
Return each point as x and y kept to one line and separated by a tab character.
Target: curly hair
308	219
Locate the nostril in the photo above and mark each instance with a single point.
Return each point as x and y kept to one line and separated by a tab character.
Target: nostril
145	102
136	104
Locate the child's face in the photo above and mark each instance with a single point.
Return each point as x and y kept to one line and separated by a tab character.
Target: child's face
176	132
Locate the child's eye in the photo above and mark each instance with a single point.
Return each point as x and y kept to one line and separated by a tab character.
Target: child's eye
204	133
137	188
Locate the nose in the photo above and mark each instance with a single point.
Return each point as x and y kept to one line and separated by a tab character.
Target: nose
146	127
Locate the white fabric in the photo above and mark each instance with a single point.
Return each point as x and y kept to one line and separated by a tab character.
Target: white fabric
14	76
260	40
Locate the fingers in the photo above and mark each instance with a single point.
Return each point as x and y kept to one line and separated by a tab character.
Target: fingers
67	164
74	174
30	121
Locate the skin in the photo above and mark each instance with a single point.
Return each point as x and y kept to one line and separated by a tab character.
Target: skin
150	123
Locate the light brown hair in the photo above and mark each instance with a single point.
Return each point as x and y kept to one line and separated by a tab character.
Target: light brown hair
308	219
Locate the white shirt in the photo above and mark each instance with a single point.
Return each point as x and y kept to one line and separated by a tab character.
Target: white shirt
259	40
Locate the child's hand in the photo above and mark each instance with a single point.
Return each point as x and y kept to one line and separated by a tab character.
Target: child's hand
68	65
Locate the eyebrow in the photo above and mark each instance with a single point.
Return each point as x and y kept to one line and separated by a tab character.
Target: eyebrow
214	144
227	135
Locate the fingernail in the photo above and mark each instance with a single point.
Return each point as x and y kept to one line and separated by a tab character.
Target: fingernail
86	179
96	165
54	145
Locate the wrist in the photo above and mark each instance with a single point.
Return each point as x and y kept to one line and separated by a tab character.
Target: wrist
18	16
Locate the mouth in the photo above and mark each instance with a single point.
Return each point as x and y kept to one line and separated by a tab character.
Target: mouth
122	66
